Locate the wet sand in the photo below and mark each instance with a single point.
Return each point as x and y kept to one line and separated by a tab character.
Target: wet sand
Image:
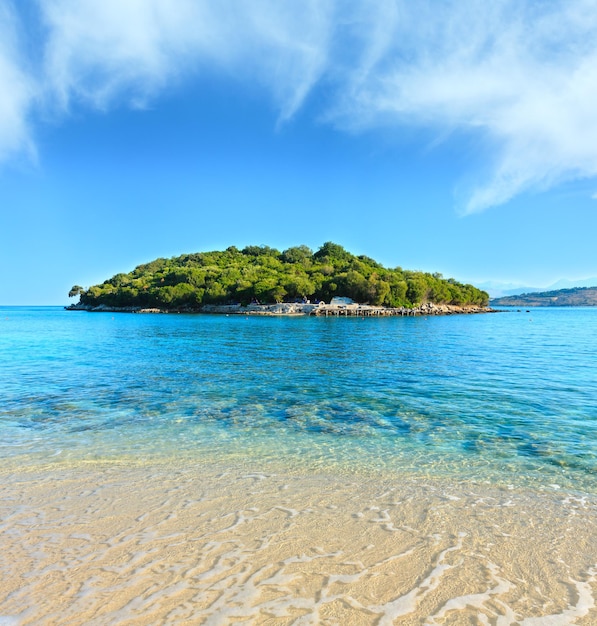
201	544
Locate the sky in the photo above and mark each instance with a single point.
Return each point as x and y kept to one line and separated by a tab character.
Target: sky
453	136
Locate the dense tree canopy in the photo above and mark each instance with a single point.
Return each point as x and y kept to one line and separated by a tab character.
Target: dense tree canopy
264	274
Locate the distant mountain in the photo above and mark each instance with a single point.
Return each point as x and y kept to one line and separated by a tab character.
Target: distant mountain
577	296
569	284
497	289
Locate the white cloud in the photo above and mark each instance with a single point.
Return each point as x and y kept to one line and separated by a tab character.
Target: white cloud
100	51
17	91
522	76
519	75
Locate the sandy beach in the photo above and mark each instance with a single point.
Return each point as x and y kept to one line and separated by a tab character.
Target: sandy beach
198	544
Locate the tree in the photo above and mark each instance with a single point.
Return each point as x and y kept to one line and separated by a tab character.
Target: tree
416	290
76	290
398	288
299	287
334	253
379	291
298	254
260	251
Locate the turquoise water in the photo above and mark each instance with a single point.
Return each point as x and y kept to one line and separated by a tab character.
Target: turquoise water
507	398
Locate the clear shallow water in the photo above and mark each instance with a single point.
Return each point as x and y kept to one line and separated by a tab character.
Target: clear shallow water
507	398
216	470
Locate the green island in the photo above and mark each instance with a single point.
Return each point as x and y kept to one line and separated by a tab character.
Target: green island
576	296
259	275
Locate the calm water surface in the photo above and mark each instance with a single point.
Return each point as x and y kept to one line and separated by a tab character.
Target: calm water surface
508	398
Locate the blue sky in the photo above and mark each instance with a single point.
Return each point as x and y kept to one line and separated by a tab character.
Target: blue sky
455	136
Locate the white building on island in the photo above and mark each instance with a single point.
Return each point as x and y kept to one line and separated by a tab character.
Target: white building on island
341	301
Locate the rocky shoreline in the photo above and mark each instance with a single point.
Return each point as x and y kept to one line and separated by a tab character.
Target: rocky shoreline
298	309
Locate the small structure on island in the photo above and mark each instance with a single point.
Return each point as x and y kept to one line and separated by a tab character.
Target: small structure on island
341	301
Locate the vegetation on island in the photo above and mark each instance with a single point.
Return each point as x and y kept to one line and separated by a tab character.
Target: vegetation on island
576	296
266	275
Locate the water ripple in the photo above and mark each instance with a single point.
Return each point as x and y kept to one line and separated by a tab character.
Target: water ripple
493	394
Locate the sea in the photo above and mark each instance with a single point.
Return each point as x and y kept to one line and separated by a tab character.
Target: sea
245	469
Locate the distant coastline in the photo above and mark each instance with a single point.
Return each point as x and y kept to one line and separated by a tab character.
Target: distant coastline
577	296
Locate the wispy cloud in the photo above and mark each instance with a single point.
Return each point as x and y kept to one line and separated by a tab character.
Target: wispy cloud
17	91
103	51
523	76
519	75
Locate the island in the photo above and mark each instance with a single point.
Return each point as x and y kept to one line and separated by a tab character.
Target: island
260	279
577	296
